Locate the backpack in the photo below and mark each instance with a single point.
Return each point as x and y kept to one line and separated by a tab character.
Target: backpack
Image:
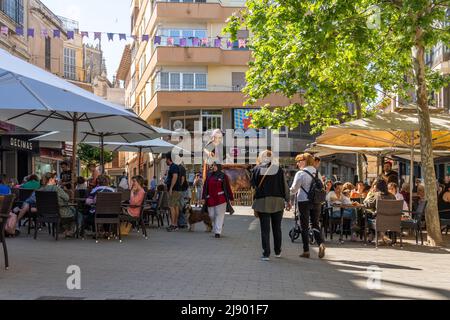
317	193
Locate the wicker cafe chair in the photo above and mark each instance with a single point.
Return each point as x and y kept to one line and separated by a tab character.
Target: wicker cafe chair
389	218
415	223
126	194
48	211
108	209
6	203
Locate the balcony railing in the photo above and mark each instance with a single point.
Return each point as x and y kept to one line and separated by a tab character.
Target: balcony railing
159	87
194	42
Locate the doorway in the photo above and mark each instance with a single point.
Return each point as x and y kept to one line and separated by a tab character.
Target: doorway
23	161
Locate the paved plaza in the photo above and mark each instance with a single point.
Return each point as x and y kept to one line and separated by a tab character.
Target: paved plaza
194	265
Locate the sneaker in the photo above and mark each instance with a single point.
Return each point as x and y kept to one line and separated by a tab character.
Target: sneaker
217	236
278	256
265	258
173	229
321	251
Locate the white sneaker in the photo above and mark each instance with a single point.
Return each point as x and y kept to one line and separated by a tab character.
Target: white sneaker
278	256
265	259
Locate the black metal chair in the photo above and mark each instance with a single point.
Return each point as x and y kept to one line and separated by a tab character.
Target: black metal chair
6	203
108	209
47	206
331	223
415	223
388	218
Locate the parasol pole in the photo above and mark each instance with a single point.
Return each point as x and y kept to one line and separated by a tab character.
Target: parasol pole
139	160
411	172
74	154
102	150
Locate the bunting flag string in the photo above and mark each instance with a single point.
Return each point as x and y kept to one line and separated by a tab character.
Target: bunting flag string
217	42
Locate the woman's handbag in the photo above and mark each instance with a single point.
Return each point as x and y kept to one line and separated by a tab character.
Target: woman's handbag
255	213
125	228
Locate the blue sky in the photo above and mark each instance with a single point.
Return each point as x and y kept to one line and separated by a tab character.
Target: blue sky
100	16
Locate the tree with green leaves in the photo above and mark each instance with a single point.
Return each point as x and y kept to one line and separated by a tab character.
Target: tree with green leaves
340	52
322	49
90	154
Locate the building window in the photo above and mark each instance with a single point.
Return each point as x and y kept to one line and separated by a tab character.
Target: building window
211	120
69	64
177	34
13	9
176	81
48	54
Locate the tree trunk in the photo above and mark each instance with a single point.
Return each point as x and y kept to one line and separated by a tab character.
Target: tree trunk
428	172
359	157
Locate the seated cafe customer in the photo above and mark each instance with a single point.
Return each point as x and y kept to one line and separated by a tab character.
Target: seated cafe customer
338	197
137	196
32	183
67	213
4	188
380	192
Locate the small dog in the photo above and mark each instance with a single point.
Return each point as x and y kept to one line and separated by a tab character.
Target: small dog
196	215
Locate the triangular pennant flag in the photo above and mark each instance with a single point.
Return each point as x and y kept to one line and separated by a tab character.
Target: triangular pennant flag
229	44
44	33
195	42
157	40
19	31
97	35
170	41
56	33
204	41
242	43
217	43
4	30
122	36
30	32
145	37
111	36
70	35
85	34
183	42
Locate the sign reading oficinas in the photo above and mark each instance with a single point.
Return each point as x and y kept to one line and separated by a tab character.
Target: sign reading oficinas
20	144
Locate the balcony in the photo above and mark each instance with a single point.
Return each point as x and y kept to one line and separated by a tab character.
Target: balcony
212	11
215	98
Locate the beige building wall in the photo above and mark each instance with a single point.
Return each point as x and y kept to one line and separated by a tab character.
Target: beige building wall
77	45
13	43
40	18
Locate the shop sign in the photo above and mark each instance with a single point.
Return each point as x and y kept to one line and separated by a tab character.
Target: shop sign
21	143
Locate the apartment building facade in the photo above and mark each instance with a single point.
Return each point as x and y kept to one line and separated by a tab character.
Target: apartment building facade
189	76
13	14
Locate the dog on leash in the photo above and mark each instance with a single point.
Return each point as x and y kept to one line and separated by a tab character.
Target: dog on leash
196	215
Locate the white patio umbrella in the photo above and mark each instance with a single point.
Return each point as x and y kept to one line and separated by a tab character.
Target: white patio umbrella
155	146
37	100
105	137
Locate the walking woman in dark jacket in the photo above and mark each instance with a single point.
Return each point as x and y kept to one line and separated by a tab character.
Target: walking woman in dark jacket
272	196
